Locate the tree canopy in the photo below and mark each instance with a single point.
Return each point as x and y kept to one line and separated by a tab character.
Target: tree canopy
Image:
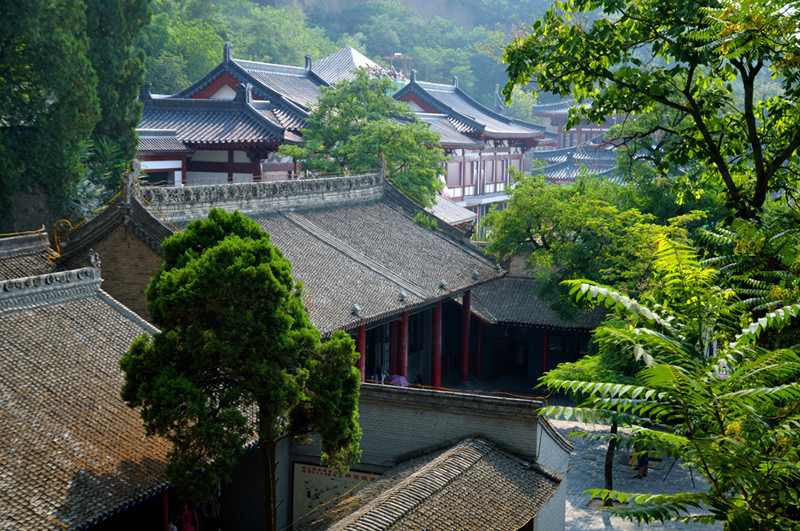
356	122
699	59
67	92
586	230
236	356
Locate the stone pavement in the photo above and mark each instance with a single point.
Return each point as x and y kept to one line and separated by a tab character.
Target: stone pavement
586	471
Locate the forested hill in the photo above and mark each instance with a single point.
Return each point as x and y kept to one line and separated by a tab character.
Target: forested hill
445	38
468	13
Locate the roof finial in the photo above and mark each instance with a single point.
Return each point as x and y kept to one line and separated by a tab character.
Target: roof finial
226	52
455	81
308	63
413	75
144	92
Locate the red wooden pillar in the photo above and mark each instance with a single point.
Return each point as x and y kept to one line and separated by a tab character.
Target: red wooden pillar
361	347
166	509
480	341
402	362
394	331
436	348
545	346
466	309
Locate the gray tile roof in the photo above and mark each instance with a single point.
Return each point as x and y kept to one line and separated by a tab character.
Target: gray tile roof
350	242
296	84
340	65
450	135
26	255
451	212
160	141
71	452
199	122
469	116
472	485
513	300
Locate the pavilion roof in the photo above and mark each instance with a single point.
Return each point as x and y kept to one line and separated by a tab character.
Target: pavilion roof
470	117
201	122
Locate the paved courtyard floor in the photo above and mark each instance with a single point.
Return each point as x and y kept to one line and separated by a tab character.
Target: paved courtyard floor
586	471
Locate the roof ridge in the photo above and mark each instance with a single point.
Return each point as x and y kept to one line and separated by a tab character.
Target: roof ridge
419	486
52	288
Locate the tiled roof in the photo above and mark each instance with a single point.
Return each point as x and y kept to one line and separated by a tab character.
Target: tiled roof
160	141
472	485
513	300
25	255
362	251
450	135
467	115
340	65
451	212
71	451
212	121
296	84
559	108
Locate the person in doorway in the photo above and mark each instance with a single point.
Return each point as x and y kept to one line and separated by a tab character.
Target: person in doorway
187	520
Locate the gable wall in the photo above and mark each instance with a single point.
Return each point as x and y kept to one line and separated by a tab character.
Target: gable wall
127	264
223	80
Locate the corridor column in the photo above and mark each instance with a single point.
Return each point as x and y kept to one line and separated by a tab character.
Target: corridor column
361	347
466	309
436	348
402	362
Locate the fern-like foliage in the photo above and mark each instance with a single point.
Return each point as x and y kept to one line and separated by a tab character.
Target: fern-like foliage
707	390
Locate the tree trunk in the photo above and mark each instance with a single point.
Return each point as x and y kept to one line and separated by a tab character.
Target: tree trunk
266	445
609	470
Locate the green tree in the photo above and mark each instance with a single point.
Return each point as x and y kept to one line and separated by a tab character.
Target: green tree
706	393
688	57
48	101
575	231
356	122
237	356
112	26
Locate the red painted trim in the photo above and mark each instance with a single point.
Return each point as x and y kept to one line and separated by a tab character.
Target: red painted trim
436	348
411	97
402	365
361	348
223	80
466	310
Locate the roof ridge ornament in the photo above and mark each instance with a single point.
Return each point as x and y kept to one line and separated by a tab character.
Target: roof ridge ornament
308	63
244	93
413	75
144	92
227	50
455	81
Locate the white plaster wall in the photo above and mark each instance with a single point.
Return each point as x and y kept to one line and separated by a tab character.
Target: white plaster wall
196	178
551	517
